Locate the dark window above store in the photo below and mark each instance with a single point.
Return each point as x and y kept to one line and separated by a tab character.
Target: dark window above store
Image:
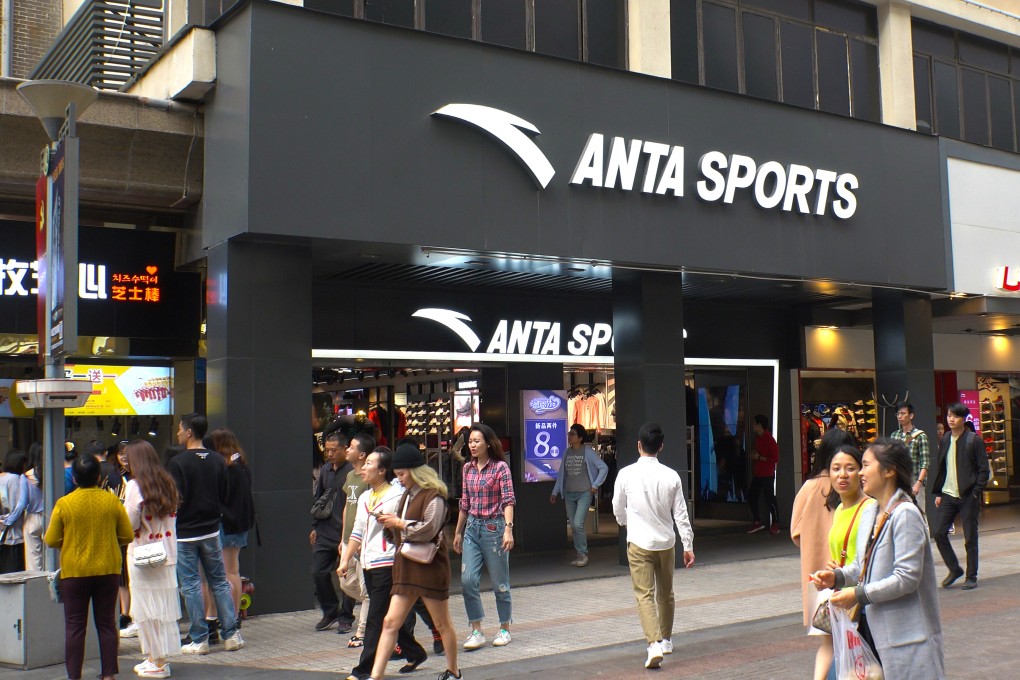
583	30
820	54
966	87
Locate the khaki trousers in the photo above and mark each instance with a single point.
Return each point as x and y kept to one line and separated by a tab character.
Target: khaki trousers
651	573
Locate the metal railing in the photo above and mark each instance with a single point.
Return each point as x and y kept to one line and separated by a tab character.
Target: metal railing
105	43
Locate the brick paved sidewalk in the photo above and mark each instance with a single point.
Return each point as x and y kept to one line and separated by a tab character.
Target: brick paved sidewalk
759	599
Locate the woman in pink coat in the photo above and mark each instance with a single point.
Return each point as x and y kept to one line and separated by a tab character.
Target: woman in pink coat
809	528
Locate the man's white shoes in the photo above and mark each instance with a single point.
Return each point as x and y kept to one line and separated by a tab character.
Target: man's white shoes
654	655
667	646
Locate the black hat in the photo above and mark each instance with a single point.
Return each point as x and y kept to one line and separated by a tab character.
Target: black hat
407	456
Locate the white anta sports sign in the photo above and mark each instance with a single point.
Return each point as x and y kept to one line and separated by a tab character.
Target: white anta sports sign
657	168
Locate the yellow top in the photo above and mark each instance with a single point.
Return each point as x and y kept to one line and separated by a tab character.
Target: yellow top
89	526
841	525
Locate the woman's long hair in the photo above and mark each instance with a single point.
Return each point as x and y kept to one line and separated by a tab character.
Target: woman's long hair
427	478
159	492
226	443
492	445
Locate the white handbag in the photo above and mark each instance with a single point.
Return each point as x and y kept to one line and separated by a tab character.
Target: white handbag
149	555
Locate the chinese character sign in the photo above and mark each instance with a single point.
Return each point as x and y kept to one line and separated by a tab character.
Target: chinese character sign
55	248
544	413
972	400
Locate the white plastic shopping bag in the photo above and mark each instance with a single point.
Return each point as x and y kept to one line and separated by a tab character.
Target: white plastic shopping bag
852	655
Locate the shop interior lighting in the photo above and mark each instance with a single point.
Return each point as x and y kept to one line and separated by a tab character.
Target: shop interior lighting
114	429
153	427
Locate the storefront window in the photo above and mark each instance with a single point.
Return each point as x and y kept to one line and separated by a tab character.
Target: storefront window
722	436
504	23
824	52
998	424
556	28
974	93
844	400
450	17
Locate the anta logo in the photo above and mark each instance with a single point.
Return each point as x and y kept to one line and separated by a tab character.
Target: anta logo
525	337
657	168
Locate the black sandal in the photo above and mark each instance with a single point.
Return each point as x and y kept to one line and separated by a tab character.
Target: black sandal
356	641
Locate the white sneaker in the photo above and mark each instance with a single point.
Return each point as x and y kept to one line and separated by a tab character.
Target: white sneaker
129	631
667	646
234	642
154	671
475	640
654	655
143	665
195	648
502	638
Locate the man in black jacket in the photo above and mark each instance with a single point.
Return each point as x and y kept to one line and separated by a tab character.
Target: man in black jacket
201	477
960	476
327	533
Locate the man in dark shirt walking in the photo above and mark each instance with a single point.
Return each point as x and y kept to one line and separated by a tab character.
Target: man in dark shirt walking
327	533
201	477
961	474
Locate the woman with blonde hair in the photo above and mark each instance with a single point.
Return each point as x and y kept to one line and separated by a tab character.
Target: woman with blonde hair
420	518
238	510
151	499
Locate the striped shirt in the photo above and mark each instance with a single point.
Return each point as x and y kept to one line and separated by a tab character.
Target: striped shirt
487	491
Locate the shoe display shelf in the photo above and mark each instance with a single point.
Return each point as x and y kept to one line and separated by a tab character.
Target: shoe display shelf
430	421
997	433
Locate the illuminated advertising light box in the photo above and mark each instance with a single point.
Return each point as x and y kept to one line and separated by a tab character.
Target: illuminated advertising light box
545	433
125	390
9	406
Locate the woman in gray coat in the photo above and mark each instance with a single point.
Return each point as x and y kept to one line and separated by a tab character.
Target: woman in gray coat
897	589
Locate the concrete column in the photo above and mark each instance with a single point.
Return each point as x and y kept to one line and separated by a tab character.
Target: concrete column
648	334
535	528
648	48
259	383
904	358
896	64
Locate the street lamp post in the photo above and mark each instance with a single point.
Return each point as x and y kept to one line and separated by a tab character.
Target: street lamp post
57	104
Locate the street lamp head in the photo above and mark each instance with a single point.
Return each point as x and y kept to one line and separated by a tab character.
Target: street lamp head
49	100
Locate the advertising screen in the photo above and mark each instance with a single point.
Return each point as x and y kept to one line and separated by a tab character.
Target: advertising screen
125	390
545	433
10	407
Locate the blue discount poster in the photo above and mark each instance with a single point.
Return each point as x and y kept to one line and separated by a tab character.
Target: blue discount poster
545	433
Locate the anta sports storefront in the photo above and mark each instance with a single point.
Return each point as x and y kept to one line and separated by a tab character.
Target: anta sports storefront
380	197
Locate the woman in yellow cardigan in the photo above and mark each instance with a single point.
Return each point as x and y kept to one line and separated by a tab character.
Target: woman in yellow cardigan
88	526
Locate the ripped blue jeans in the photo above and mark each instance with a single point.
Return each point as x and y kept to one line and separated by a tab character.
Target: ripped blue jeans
483	540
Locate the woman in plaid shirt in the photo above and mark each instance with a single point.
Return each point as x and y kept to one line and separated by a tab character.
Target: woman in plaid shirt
485	532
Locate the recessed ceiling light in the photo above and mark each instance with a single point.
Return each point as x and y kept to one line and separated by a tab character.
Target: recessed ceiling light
477	262
370	256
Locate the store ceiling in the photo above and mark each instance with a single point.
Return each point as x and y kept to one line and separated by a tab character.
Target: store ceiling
847	304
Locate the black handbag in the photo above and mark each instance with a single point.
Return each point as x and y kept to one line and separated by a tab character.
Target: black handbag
322	508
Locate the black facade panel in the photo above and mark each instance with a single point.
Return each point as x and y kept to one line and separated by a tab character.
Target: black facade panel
343	145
